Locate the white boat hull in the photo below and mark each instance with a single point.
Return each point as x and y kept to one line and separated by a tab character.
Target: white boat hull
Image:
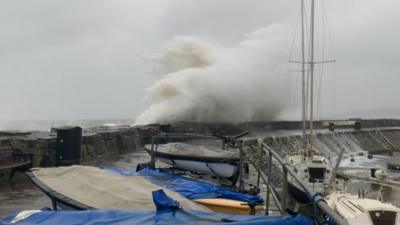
315	173
195	158
224	170
363	211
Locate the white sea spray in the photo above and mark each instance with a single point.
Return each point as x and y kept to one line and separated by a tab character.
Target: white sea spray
201	82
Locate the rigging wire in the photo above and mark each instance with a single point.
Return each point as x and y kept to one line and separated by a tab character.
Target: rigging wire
332	50
294	99
322	66
307	75
324	74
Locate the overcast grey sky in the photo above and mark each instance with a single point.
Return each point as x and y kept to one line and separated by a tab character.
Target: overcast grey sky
77	59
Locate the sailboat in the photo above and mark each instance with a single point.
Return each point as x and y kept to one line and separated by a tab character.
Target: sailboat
314	169
358	210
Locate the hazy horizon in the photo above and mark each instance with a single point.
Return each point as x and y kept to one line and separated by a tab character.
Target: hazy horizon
46	124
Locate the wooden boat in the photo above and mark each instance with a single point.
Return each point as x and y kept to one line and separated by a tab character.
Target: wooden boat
229	206
215	162
356	210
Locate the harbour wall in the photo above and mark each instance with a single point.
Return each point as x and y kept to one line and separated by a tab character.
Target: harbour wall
102	143
97	144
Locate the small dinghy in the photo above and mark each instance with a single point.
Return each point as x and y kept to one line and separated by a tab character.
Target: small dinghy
169	211
79	187
85	187
356	210
196	158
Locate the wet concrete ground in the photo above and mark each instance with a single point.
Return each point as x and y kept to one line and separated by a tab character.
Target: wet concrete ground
20	194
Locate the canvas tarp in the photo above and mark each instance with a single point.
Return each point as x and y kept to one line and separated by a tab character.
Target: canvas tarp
103	189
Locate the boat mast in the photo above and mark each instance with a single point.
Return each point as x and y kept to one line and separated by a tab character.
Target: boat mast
303	77
311	79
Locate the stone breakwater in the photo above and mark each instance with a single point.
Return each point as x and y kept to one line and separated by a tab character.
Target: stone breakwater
98	144
101	143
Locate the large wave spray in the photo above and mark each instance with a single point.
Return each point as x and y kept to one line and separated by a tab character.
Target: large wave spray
200	82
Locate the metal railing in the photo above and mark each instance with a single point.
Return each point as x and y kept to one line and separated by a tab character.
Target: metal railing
272	193
281	203
315	199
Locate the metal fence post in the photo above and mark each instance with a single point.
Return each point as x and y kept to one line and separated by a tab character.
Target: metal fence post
153	160
54	204
284	189
268	185
241	156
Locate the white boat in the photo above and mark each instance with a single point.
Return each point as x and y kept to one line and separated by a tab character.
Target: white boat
315	173
196	158
363	211
314	169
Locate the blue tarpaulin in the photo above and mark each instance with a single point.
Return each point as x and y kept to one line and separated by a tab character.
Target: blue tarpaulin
190	188
168	213
116	217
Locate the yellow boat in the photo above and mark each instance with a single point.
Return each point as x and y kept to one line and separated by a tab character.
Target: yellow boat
229	206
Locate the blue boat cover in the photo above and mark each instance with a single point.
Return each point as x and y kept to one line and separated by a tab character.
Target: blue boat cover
116	217
163	202
168	213
190	188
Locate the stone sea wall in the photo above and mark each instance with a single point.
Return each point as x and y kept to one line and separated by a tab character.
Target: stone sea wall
97	144
101	143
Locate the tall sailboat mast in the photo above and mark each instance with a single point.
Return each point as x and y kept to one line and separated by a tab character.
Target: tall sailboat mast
303	77
313	167
311	79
